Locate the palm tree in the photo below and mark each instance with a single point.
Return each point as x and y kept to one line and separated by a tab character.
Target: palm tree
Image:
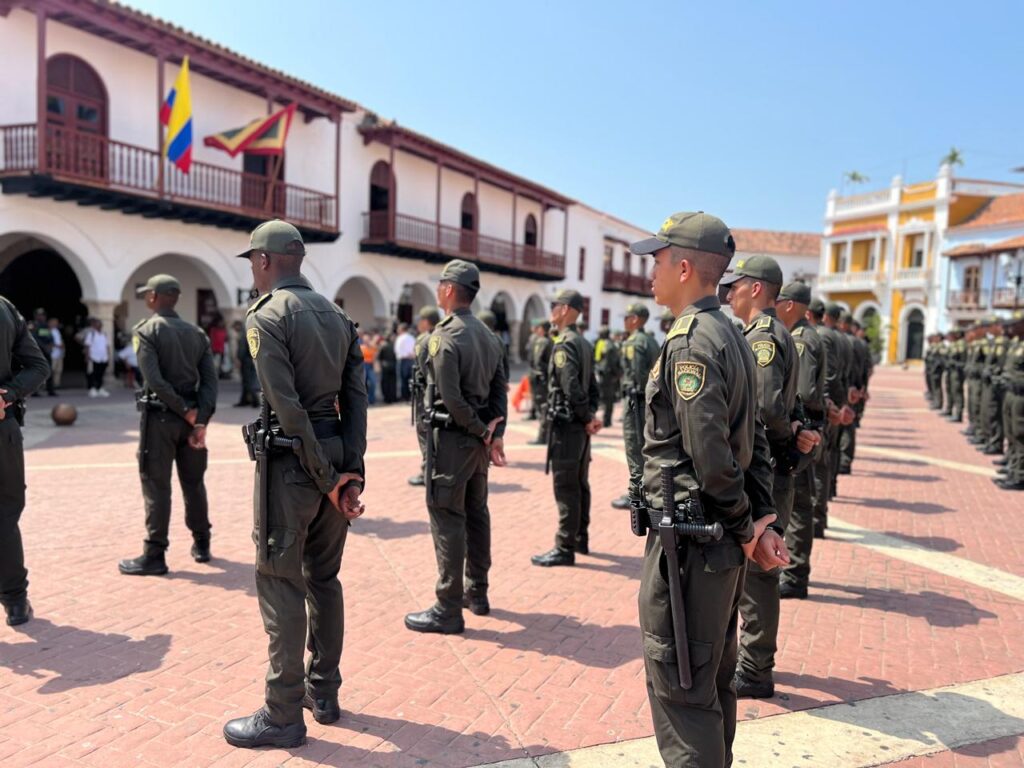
953	158
855	177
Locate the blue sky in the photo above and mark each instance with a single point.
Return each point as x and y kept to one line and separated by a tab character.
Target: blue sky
749	110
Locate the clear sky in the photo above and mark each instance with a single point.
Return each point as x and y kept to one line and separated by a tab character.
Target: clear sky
750	110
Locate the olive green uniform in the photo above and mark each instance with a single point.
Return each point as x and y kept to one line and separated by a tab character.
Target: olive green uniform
860	368
465	365
310	367
1013	411
23	370
419	376
776	377
571	374
701	418
844	350
639	353
975	362
933	373
179	374
811	388
608	368
957	361
836	391
540	356
992	393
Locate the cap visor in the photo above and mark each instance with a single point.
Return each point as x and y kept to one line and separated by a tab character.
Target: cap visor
142	290
244	254
648	246
730	279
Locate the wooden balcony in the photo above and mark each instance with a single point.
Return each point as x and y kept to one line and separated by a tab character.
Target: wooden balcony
1008	298
416	238
94	170
623	282
966	300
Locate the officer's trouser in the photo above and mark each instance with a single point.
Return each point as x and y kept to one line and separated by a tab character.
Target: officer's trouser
13	576
836	454
694	727
847	446
935	387
634	440
973	402
570	470
542	411
307	538
609	394
460	521
823	477
1015	437
167	441
992	416
947	399
759	605
421	437
800	531
538	394
956	385
982	429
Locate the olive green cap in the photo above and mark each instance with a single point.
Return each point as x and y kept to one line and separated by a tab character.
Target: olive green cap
846	317
432	314
275	236
797	291
696	230
833	310
637	310
462	273
756	267
159	284
488	318
816	306
570	298
542	323
604	331
667	315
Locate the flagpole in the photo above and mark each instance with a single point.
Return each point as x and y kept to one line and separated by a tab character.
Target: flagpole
159	124
272	181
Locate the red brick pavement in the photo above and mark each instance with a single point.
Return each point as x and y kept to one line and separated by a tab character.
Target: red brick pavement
121	671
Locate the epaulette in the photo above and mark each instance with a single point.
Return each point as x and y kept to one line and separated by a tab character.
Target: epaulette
444	322
799	331
260	302
764	322
681	327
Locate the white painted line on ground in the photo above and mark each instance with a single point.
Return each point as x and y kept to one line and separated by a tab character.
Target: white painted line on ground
924	458
865	733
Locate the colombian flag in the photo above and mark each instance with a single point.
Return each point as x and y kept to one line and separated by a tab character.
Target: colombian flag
262	136
176	114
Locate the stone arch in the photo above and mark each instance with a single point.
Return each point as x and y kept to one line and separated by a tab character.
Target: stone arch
865	308
911	332
204	294
73	245
534	308
363	301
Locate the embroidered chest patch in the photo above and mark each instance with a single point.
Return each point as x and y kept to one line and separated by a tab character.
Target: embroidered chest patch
560	358
689	379
764	352
253	337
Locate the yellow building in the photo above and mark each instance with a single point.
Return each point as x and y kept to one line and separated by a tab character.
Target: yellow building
882	254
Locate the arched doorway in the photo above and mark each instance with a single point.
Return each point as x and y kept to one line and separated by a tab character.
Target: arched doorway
530	240
534	310
914	334
364	303
468	224
506	320
381	185
76	118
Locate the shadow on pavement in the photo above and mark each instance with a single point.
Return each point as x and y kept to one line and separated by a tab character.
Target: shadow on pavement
917	507
221	573
936	543
80	657
846	690
506	487
937	609
900	476
386	528
621	565
552	634
887	460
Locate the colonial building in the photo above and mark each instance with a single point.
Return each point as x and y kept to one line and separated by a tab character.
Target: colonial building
91	207
882	253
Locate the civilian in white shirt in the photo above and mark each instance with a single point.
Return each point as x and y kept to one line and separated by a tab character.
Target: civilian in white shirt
97	352
57	355
405	351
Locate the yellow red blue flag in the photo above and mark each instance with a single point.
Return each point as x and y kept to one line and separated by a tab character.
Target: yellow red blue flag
176	114
262	136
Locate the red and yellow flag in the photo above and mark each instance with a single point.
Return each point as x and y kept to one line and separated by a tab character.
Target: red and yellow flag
262	136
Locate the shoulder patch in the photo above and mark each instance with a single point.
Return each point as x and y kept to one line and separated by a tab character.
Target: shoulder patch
681	327
629	351
260	302
800	346
560	357
764	322
689	379
434	345
798	332
253	337
764	351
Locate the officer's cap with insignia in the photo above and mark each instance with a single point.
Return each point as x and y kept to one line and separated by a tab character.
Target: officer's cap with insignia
159	284
570	298
763	268
431	314
637	310
797	291
275	237
834	310
461	273
695	230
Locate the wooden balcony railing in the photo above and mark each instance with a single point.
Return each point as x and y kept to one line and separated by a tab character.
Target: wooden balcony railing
1008	298
424	236
103	164
965	300
625	282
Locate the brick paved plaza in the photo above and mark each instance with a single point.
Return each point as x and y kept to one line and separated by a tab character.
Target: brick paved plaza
920	587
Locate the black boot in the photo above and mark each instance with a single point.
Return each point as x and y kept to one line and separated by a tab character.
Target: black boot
19	613
143	565
325	711
789	591
432	620
478	605
622	502
201	551
1011	485
749	689
553	557
258	730
417	480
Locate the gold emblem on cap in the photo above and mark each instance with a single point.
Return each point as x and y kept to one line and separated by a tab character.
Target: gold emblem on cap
669	222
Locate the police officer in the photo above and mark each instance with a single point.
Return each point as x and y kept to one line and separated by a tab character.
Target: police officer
573	401
992	390
466	376
844	364
608	368
175	404
44	338
752	290
540	357
972	372
836	412
490	320
792	309
23	370
860	372
428	319
310	366
957	360
639	353
1013	407
702	420
933	371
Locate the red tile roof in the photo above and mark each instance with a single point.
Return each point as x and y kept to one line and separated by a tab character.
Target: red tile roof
781	243
980	249
997	212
